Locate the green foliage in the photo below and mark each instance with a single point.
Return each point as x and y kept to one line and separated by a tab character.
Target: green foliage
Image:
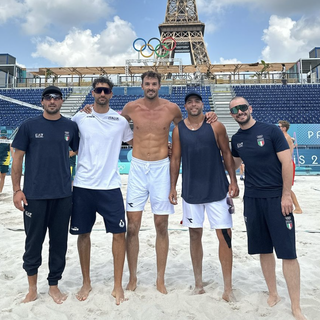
264	71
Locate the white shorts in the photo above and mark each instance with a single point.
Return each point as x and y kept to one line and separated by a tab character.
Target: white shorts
149	178
217	212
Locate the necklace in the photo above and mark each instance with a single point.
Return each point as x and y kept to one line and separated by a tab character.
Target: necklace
195	126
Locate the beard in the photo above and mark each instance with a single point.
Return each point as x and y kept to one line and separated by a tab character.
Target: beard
195	112
102	103
245	121
52	111
151	97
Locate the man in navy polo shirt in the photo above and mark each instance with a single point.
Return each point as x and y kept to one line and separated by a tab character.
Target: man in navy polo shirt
46	195
267	199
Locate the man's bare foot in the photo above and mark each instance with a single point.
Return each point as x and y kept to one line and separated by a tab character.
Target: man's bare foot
298	315
297	211
83	293
273	300
56	295
132	284
118	294
228	296
198	290
31	296
161	287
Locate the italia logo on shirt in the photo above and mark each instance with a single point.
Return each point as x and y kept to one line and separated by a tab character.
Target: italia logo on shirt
260	141
113	118
66	136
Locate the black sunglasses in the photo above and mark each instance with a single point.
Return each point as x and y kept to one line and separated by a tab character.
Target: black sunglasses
100	89
242	107
53	96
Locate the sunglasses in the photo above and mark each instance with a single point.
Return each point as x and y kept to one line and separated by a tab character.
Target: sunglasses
231	205
100	89
53	96
242	107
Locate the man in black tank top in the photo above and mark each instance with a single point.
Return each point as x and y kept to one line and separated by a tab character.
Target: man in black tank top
205	187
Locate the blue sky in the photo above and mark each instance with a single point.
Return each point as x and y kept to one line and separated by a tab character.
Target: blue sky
78	33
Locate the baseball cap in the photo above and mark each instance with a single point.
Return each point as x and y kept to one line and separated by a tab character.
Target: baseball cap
51	89
193	93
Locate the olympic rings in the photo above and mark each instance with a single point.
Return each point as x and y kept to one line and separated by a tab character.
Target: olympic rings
134	42
154	50
143	47
175	42
166	49
154	39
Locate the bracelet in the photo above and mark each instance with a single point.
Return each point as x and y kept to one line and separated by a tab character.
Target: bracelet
14	192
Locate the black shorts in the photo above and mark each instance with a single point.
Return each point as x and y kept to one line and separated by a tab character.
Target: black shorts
4	168
108	203
267	228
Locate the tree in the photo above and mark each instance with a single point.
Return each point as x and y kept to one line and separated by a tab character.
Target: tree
264	71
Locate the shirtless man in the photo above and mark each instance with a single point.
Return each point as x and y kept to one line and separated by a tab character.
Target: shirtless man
284	126
149	169
149	172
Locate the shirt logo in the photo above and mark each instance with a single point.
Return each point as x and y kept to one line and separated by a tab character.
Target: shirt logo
66	136
113	118
239	145
38	135
260	141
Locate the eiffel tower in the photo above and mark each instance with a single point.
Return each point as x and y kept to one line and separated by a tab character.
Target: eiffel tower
182	24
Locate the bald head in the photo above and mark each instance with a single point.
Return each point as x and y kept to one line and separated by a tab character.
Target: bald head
238	100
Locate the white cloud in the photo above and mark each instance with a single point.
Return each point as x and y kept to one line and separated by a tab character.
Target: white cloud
289	7
282	7
211	27
20	65
81	48
39	16
10	9
216	6
289	40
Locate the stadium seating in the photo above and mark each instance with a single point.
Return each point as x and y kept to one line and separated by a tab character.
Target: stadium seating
295	103
12	114
298	104
32	96
177	95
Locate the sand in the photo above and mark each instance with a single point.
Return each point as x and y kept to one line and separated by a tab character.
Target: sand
146	302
